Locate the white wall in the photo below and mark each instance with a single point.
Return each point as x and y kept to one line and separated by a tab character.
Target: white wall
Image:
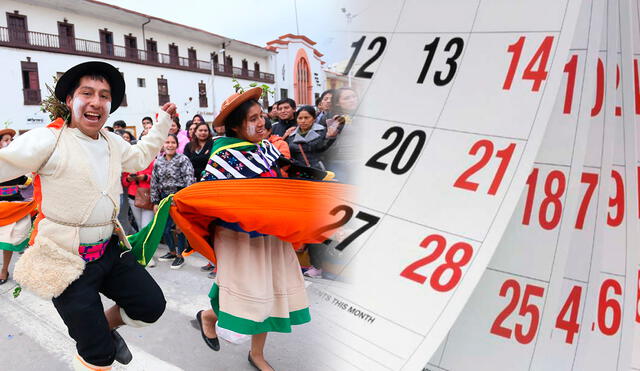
141	101
46	20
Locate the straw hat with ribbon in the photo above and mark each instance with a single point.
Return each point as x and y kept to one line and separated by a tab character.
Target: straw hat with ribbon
233	102
8	131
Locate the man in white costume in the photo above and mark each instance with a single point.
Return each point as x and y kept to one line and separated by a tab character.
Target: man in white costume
75	252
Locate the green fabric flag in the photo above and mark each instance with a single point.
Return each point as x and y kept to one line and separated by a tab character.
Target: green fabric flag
145	243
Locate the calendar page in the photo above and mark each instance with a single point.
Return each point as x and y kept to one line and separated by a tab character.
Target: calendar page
455	101
529	310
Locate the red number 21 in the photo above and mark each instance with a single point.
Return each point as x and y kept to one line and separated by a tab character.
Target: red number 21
504	155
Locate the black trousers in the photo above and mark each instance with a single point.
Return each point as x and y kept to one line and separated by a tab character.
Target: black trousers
121	279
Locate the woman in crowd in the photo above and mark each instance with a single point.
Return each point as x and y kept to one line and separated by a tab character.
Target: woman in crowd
126	135
172	172
199	148
324	107
180	134
190	128
15	221
143	212
259	287
342	138
307	140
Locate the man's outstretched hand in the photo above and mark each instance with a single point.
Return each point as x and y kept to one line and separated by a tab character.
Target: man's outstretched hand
169	108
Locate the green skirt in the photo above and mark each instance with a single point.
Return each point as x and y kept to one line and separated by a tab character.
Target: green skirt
259	285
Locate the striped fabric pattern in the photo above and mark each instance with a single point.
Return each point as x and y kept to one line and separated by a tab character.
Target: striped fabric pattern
233	158
93	251
9	191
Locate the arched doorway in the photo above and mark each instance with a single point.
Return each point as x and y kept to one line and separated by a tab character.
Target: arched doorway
303	85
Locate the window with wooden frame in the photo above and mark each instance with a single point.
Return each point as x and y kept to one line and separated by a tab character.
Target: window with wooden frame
152	50
17	28
66	35
228	64
193	59
30	82
131	46
174	57
202	94
163	91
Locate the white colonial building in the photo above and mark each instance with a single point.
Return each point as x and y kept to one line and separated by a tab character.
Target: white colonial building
299	72
160	60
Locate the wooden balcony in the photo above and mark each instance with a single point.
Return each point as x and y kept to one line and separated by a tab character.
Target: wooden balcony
93	49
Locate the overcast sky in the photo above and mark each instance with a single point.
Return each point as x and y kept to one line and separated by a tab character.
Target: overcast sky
254	21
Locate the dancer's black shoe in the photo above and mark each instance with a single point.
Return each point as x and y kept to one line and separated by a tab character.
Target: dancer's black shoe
123	355
212	343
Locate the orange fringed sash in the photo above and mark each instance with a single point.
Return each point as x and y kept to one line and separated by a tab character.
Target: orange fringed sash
293	210
11	212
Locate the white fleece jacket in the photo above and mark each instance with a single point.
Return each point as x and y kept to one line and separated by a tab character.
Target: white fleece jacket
80	185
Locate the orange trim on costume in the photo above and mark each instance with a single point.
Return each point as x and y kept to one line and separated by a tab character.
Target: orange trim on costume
56	124
291	209
37	198
90	367
11	212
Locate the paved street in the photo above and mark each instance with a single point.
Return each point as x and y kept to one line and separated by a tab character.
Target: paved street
33	337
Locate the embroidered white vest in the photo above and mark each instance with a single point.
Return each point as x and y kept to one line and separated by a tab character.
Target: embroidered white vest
69	195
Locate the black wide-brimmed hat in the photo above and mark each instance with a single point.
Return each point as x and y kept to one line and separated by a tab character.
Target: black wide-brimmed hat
70	78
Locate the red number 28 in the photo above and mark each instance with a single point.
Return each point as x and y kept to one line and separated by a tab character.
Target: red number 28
449	265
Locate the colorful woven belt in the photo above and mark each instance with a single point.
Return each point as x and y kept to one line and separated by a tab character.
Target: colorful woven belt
6	191
93	251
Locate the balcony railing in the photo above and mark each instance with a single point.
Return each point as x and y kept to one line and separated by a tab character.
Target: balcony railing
69	45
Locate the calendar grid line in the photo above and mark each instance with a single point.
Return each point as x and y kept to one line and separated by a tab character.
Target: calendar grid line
435	229
517	275
438	366
358	336
613	274
550	164
352	348
575	280
435	127
592	167
444	348
328	350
